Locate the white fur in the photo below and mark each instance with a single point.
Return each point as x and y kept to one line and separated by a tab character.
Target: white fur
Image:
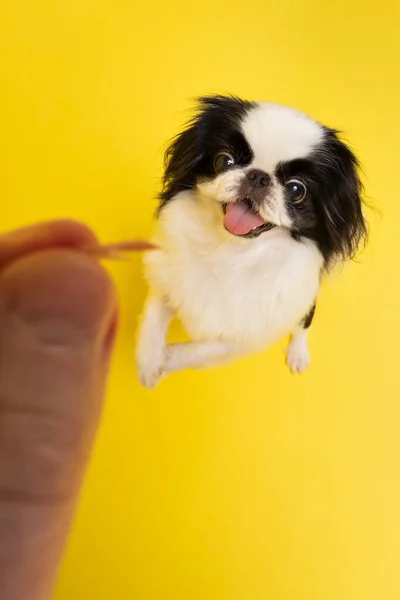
298	357
279	133
234	296
151	344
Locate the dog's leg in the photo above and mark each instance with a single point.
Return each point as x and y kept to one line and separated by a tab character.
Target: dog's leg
298	357
197	355
150	353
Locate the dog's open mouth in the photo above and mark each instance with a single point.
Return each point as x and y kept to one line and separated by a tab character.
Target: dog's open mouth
241	219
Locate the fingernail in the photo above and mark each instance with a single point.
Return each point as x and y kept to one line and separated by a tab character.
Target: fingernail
66	298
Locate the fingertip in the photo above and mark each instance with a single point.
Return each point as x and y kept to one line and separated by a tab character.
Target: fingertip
62	233
67	297
71	232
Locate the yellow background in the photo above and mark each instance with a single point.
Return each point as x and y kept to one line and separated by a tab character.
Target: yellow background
243	483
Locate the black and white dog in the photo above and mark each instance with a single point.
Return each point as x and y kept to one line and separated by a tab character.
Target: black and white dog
258	201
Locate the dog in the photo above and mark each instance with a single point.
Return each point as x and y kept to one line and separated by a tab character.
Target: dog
258	202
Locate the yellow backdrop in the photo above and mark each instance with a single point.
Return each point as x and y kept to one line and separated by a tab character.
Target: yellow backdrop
244	483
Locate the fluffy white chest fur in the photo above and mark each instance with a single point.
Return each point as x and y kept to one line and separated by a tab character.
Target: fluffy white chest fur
242	294
246	291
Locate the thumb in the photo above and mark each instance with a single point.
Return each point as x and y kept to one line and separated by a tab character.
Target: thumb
57	319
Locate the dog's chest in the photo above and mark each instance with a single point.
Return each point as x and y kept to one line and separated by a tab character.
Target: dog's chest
252	292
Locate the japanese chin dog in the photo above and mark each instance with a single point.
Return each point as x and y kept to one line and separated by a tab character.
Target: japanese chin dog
258	202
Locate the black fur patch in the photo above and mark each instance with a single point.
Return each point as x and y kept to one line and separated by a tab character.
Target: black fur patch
331	214
308	319
215	128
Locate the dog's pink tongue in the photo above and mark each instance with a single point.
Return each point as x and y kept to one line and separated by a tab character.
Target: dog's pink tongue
241	219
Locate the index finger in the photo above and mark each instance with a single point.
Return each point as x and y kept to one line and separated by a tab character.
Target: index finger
66	234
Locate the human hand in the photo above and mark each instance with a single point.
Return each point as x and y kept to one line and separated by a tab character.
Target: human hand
58	315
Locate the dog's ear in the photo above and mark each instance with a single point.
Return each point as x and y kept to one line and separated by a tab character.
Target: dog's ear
340	203
181	158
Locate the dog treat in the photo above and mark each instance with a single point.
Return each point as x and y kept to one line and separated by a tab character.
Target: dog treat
119	249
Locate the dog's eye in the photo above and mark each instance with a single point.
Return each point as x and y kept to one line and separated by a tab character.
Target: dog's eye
296	190
223	161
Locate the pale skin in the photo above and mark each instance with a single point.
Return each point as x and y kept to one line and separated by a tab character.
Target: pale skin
58	313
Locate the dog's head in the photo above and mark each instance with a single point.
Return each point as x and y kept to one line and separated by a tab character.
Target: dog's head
269	166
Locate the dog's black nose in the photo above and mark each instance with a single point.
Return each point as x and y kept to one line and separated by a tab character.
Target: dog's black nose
258	177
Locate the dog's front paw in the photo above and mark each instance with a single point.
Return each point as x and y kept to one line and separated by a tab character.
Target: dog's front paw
298	356
150	365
